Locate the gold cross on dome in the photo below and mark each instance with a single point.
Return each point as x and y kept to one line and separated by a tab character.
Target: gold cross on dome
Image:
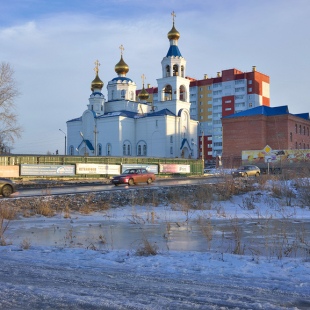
97	64
173	16
143	78
122	49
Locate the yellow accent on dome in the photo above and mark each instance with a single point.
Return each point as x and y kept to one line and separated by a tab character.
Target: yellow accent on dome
173	34
143	95
121	67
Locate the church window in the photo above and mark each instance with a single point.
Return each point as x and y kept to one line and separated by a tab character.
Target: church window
182	71
139	150
182	93
123	94
167	71
175	70
99	150
171	150
71	150
109	149
128	149
124	149
144	150
171	139
168	93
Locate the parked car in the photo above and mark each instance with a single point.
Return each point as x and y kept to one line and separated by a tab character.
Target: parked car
134	176
246	171
7	187
211	171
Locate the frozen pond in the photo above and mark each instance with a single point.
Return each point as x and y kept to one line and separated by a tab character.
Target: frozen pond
273	237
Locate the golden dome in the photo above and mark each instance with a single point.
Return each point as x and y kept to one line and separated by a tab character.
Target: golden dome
121	67
173	34
96	83
143	95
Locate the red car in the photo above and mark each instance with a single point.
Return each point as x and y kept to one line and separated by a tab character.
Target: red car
134	176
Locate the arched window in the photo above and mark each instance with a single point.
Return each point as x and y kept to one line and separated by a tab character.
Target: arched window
175	70
139	150
168	93
182	93
182	71
123	93
300	129
127	148
99	150
109	149
167	71
144	150
71	150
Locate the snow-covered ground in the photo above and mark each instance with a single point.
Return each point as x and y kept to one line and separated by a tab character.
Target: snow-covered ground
76	273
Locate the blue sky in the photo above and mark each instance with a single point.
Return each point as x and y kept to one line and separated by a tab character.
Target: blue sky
52	46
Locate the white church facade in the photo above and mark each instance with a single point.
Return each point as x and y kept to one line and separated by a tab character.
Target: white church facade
124	125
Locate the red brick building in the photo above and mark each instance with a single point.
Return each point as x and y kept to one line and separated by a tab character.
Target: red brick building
255	128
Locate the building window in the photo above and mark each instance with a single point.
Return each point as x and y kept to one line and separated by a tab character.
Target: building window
171	150
131	95
124	149
99	150
171	139
71	150
128	149
250	89
139	150
291	137
304	130
123	94
109	149
308	131
250	105
296	128
250	81
167	71
144	150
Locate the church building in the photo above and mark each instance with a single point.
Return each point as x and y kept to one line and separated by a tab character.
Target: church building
127	125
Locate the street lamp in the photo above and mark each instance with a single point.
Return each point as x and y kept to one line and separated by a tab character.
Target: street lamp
65	141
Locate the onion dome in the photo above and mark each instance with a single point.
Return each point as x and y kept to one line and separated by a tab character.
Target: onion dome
143	95
121	68
173	34
96	83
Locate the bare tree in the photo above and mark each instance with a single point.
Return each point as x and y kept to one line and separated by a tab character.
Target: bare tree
9	128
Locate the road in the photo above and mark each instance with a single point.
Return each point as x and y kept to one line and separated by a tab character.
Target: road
97	187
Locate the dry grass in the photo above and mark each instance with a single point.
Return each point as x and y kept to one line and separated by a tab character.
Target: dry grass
25	244
147	249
